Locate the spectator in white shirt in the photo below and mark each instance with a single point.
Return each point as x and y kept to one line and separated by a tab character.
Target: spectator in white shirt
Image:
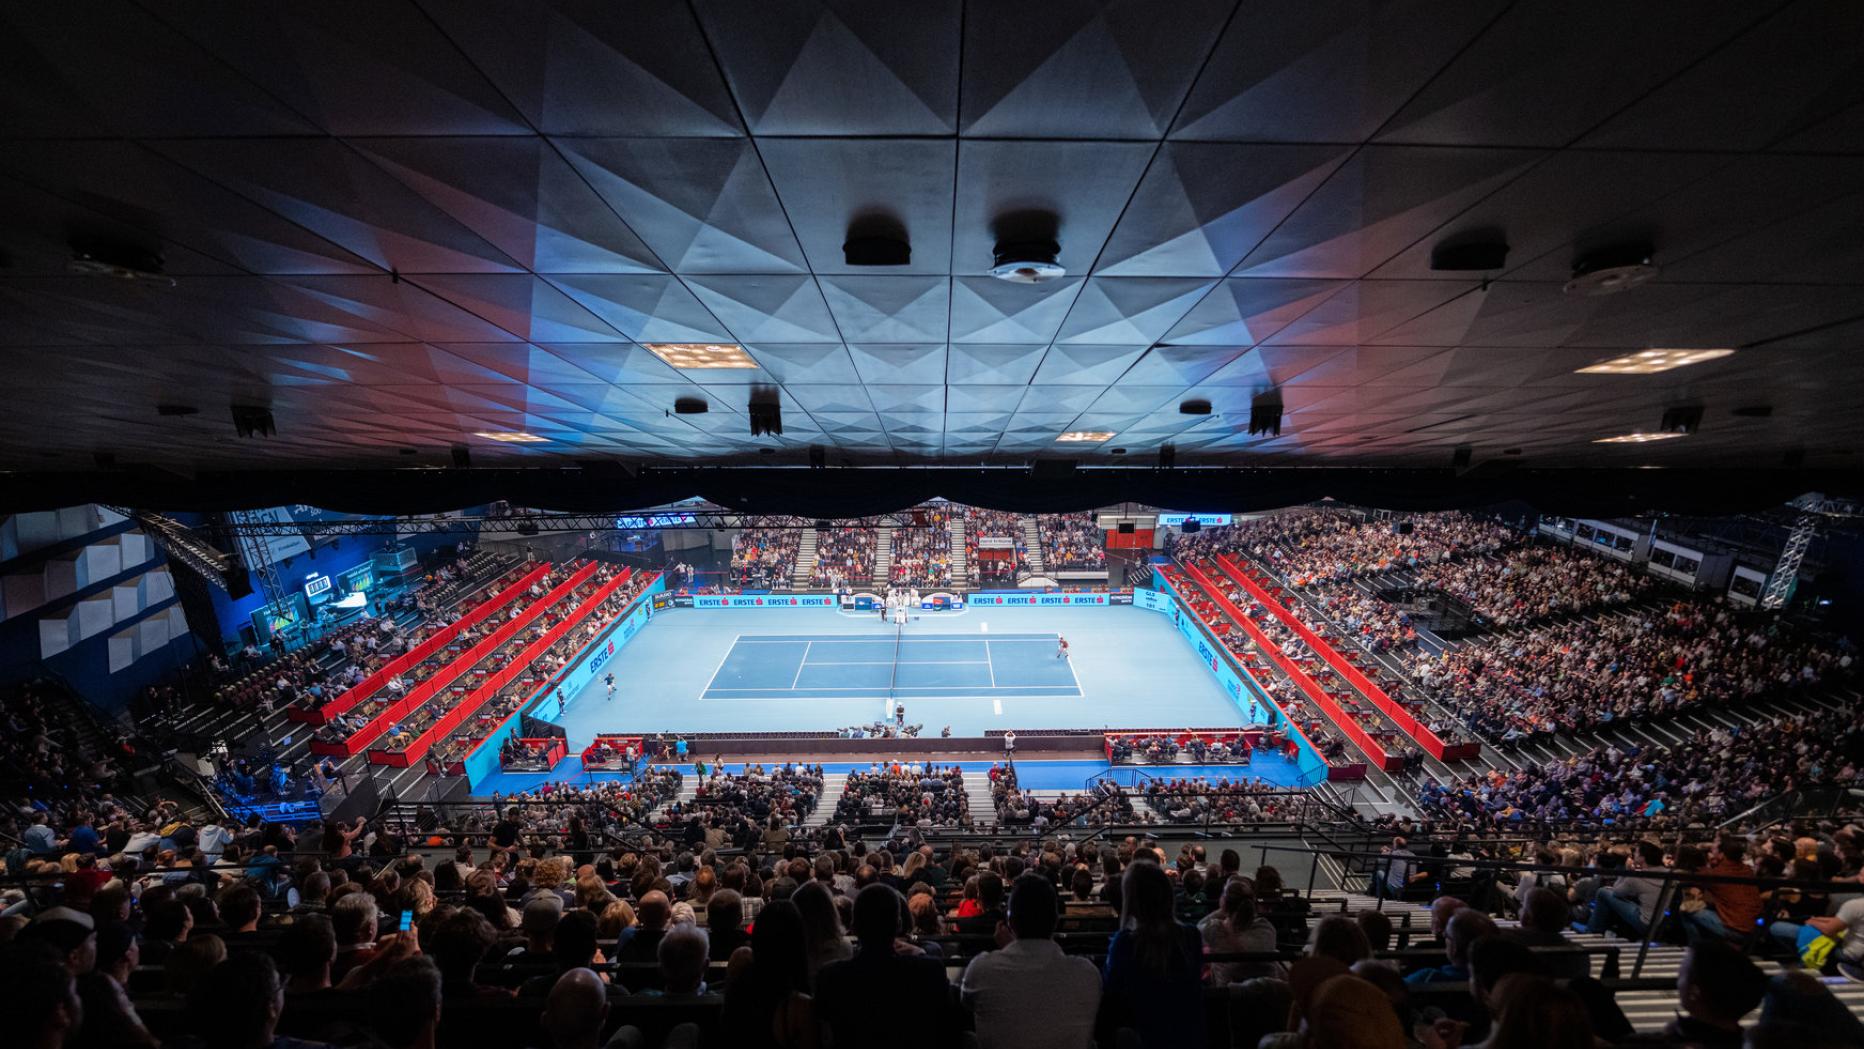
1029	995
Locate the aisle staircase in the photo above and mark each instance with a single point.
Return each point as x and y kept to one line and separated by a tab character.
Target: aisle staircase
977	796
833	783
960	562
689	789
883	556
803	576
1032	538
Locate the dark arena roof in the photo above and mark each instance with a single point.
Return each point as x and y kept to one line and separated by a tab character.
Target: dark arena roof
398	235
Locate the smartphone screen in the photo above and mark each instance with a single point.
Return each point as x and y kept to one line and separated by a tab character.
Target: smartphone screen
407	920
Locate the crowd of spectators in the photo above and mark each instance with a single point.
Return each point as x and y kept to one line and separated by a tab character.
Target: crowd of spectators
844	557
506	701
1377	624
922	555
1105	804
1221	800
367	653
1072	542
1317	545
1527	584
1291	646
543	915
343	726
764	558
743	805
1163	748
1585	674
913	793
1714	774
982	524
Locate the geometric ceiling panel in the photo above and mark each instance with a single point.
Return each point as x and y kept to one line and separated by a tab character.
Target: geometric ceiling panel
342	60
1245	310
1323	72
643	307
1202	207
702	204
1130	309
987	310
1068	192
770	308
889	309
1568	65
840	68
828	186
1070	365
564	65
521	196
1377	204
993	364
406	222
1034	68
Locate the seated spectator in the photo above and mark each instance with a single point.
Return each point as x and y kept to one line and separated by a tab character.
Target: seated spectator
1717	987
1464	929
1028	995
869	991
237	1003
684	953
1543	922
1153	975
404	1004
767	1001
1236	928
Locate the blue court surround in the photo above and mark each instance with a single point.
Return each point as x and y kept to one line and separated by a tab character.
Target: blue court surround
916	666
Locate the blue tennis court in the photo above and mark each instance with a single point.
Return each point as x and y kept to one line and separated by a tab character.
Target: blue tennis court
912	666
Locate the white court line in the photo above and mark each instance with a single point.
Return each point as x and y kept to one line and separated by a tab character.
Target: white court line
721	663
996	707
903	662
801	663
993	671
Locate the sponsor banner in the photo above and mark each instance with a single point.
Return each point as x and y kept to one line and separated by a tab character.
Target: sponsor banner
765	601
664	600
941	602
1203	520
637	522
1152	599
1083	600
1119	599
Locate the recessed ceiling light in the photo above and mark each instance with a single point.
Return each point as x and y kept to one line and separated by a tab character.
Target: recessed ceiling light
511	436
1638	438
1650	362
1086	436
696	355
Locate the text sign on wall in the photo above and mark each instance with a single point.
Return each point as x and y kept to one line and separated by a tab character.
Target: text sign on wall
765	601
1203	520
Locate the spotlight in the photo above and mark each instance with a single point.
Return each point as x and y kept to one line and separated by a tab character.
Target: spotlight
690	406
1197	407
1191	526
1029	262
1265	414
766	413
1477	256
253	421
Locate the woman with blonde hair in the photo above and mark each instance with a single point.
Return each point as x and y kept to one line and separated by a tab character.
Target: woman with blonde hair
614	919
591	894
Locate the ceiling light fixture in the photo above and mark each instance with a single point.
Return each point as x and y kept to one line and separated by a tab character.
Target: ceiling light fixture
698	355
1611	270
511	436
1638	438
1085	436
1027	262
1650	362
